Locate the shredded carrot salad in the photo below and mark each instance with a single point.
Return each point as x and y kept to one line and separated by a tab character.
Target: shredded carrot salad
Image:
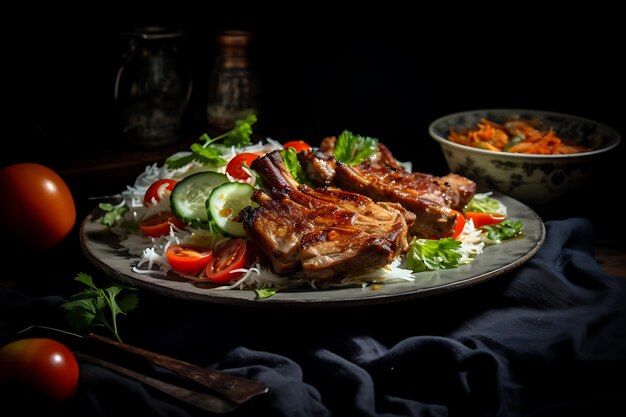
517	136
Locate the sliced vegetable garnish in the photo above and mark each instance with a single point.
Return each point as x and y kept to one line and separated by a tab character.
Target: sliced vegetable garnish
484	219
235	165
225	203
159	224
158	190
190	195
298	145
482	203
188	259
460	224
228	257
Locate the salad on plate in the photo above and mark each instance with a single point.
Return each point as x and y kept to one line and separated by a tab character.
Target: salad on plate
271	216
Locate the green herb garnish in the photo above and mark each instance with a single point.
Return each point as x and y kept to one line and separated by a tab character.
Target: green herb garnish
504	230
290	157
353	149
429	255
238	136
90	308
262	293
112	214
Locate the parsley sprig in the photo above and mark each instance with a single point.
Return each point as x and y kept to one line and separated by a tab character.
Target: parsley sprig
430	255
238	136
352	149
92	306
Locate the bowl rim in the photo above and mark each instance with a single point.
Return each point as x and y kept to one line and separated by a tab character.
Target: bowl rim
445	141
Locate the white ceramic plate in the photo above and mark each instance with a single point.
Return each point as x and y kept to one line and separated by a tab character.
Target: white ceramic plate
103	249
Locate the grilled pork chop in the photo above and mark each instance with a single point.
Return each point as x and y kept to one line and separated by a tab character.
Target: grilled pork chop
323	232
432	199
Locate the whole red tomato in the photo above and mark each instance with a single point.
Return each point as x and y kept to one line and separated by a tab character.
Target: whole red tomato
44	366
38	207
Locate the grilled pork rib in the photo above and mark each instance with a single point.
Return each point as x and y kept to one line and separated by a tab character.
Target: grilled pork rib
432	199
323	232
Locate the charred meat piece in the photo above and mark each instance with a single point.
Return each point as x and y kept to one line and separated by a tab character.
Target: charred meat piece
322	232
430	198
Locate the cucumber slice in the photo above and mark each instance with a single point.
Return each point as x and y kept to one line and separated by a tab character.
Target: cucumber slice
190	195
225	203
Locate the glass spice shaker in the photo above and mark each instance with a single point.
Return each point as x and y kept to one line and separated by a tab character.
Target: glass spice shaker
233	87
153	86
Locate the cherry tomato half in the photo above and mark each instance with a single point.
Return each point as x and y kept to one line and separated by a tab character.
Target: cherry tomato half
157	190
484	219
159	224
188	259
38	207
298	145
229	256
44	366
234	168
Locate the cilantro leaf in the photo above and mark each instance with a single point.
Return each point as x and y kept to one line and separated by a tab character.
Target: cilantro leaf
429	255
179	162
91	307
112	214
353	149
238	136
504	230
81	312
262	293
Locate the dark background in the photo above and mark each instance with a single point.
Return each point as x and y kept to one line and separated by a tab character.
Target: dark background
383	72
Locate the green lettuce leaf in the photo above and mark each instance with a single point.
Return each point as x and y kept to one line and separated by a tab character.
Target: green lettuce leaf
430	255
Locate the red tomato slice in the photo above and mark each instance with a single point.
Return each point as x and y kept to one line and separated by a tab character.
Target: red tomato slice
228	257
158	189
484	219
298	145
234	168
458	227
460	224
188	259
159	224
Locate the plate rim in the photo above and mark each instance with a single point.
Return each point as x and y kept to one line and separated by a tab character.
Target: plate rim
340	297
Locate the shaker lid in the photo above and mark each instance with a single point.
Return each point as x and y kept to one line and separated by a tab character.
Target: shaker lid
234	37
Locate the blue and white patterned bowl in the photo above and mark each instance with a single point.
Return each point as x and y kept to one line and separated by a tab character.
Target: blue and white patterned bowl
535	179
